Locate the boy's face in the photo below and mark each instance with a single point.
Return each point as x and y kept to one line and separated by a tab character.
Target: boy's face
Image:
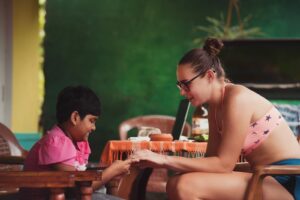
84	127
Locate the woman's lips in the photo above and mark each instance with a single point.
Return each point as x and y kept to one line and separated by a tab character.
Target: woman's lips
190	99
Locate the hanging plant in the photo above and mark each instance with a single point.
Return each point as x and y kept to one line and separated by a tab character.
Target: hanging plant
219	28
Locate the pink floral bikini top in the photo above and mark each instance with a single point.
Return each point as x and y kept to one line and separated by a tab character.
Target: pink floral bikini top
258	131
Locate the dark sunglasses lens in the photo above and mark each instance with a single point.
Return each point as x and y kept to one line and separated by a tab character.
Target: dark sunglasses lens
182	86
179	85
185	87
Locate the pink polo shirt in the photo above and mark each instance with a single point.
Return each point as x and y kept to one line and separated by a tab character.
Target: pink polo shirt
56	147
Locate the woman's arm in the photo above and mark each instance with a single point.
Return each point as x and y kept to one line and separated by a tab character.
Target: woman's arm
214	136
180	164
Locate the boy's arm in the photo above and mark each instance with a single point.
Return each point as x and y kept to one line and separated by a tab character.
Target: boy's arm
107	175
118	168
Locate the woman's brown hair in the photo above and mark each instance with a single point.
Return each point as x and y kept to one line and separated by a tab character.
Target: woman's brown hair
203	59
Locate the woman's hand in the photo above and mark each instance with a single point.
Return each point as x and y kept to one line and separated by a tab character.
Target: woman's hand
148	158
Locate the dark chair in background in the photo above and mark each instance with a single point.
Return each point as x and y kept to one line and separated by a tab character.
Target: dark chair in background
10	148
158	180
12	156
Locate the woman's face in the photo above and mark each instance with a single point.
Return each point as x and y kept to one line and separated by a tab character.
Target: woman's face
196	88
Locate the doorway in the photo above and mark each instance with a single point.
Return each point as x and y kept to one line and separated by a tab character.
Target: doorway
5	61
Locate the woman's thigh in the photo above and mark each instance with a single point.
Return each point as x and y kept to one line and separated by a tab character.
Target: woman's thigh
221	186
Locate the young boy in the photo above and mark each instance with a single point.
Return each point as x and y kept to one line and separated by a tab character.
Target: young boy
65	147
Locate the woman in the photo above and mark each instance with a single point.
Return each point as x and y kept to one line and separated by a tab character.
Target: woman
240	121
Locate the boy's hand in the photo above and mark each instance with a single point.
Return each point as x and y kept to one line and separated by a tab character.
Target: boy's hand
117	169
120	167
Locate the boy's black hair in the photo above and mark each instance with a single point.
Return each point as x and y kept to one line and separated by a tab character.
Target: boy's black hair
76	98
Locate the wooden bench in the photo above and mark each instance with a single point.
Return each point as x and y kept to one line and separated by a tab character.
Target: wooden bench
55	181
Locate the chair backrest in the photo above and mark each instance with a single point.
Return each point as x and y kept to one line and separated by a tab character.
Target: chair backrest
163	122
9	146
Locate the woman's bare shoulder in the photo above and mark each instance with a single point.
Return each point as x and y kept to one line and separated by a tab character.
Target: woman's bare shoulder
238	92
247	99
230	87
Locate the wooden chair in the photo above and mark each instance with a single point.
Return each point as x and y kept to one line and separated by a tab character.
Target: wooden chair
255	186
158	180
163	122
254	191
12	157
10	150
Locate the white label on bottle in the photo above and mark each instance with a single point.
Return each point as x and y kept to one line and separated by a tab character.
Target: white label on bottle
204	123
200	126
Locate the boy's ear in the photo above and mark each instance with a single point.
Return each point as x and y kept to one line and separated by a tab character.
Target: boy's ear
75	117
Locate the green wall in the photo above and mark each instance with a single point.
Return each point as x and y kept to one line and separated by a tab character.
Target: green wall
127	51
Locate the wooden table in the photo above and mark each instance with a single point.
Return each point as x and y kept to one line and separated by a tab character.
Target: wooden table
56	181
121	149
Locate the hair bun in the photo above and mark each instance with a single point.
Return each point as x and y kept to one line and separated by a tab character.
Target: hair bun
213	46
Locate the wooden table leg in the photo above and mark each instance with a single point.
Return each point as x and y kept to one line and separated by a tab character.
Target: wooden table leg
57	194
131	186
139	190
86	190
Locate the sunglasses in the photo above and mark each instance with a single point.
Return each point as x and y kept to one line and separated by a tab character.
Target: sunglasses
184	85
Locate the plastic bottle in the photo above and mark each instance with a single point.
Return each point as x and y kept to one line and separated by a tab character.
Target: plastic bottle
200	121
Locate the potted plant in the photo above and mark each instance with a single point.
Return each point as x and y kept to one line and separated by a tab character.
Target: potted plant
219	28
